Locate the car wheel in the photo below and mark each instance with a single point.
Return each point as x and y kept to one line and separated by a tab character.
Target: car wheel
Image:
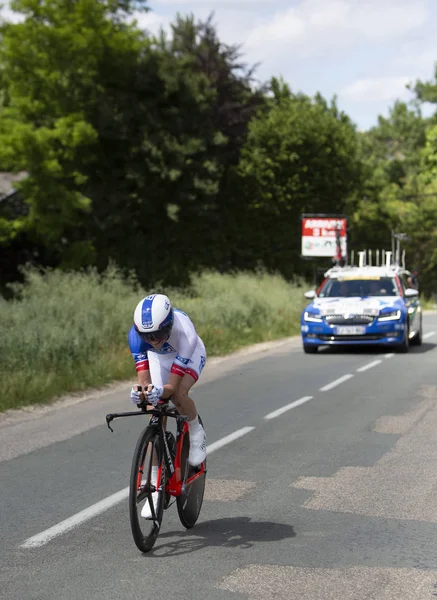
405	346
417	339
308	349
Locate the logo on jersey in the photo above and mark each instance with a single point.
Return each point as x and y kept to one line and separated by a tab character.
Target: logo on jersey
183	360
202	363
166	349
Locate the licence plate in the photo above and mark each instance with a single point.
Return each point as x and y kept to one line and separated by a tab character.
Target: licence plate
350	330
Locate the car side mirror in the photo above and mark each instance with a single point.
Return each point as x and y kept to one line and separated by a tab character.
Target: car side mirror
411	293
310	295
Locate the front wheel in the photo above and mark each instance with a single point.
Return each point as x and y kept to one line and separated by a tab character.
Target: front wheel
418	338
190	502
309	349
143	498
405	346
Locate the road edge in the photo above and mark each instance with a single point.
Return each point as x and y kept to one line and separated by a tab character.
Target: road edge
15	415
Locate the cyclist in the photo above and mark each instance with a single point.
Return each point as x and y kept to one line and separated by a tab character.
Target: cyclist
169	358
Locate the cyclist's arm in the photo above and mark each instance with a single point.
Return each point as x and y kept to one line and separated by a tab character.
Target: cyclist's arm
172	386
144	378
139	349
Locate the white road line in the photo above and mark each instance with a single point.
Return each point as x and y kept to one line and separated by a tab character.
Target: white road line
389	355
284	409
333	384
369	365
427	335
99	507
228	439
84	515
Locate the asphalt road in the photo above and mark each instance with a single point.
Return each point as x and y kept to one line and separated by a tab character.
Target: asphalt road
331	498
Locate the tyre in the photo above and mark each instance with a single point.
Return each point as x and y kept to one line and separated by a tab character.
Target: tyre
418	338
190	502
405	346
309	349
148	449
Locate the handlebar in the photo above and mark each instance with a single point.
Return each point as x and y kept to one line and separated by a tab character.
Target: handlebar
160	410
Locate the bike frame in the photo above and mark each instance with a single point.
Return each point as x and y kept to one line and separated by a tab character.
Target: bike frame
175	486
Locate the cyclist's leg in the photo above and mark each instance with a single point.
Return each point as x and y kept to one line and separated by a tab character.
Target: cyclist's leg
181	399
185	405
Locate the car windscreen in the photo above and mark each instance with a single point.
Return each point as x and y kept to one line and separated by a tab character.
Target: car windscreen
348	287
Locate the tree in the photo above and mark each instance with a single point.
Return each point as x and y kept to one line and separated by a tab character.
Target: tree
213	133
126	139
56	66
301	156
391	158
392	147
401	190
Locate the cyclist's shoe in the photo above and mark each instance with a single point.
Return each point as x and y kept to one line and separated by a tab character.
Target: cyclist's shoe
146	511
197	446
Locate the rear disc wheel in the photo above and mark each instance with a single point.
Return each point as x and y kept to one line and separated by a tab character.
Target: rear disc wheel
189	503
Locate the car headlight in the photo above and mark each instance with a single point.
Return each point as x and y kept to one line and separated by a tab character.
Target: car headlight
393	315
312	317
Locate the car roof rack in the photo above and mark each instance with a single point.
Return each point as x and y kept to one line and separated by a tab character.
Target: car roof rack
382	262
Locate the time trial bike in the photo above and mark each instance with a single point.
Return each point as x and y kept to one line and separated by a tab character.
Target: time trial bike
175	478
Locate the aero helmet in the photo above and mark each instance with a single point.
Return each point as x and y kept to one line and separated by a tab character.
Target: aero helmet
153	318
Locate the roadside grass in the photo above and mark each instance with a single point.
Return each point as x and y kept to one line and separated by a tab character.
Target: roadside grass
66	332
428	303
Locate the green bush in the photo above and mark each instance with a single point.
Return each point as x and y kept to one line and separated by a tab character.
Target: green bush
66	332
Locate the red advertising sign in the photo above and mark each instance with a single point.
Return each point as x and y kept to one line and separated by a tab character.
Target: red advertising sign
320	236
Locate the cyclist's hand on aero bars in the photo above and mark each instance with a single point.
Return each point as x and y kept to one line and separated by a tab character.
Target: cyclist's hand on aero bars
135	395
154	393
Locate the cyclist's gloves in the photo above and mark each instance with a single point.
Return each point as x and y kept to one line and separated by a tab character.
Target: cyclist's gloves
155	394
135	395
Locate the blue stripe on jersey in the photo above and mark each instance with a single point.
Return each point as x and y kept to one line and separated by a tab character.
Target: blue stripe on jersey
136	344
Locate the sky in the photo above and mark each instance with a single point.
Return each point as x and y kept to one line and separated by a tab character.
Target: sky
363	51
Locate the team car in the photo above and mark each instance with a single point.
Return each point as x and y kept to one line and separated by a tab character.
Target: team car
366	305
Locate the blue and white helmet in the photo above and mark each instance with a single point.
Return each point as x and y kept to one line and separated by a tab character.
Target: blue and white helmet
153	318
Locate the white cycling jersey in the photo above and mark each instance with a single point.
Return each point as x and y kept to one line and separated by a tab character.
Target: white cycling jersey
183	353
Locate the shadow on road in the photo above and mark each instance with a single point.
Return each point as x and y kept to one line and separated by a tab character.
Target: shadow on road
231	532
425	347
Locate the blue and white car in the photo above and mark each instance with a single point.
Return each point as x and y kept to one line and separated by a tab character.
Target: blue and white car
362	306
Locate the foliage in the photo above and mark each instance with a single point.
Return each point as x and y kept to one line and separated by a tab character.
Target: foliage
401	186
164	155
124	137
47	341
301	156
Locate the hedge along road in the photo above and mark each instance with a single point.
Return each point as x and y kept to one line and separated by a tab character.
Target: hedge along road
327	486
